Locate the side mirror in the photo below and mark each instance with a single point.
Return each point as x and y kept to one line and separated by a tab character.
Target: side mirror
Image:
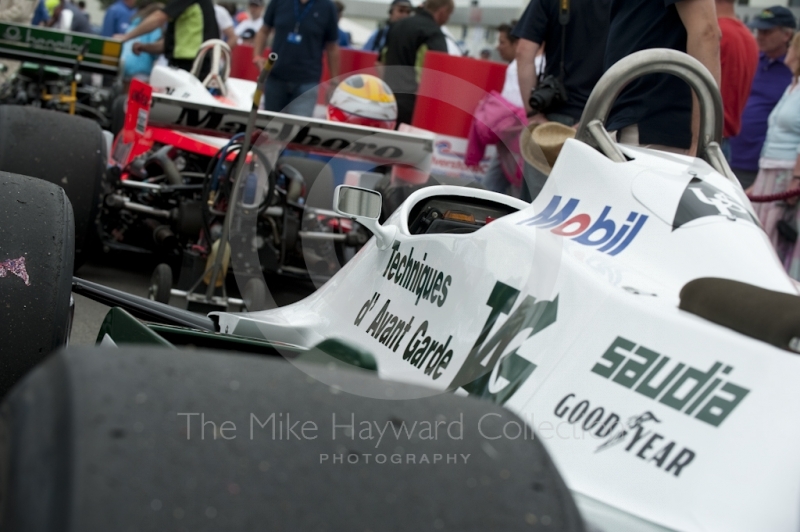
364	206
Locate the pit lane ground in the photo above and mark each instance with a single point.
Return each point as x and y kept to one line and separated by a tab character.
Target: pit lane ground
132	275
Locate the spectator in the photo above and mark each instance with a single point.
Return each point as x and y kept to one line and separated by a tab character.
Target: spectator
197	22
738	54
150	45
581	56
398	10
775	27
500	121
254	21
303	29
404	52
344	37
656	110
225	25
454	47
507	48
41	15
780	168
486	54
68	17
118	17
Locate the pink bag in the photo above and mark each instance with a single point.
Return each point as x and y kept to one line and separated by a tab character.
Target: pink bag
497	121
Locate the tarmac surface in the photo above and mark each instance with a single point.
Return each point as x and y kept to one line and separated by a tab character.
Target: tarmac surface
132	275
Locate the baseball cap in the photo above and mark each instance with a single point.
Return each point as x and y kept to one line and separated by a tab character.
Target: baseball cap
773	17
401	3
255	2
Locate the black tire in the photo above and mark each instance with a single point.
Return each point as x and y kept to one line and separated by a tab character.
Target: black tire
161	284
255	295
97	439
36	224
66	150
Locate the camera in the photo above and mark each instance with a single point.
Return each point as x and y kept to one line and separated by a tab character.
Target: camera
549	94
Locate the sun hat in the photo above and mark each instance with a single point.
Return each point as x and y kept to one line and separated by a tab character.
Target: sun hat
540	144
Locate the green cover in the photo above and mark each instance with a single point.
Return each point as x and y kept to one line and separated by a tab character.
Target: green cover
122	328
59	48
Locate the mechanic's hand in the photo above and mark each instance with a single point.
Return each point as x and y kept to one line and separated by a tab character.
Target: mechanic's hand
118	36
259	61
137	48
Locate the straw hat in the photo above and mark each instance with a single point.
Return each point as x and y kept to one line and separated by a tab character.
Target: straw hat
541	144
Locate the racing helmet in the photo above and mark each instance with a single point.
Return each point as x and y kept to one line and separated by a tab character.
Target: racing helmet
363	100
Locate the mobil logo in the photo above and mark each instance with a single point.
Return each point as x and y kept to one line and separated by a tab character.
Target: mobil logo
601	232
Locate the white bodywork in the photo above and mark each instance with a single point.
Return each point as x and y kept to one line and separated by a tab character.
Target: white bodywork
714	449
182	84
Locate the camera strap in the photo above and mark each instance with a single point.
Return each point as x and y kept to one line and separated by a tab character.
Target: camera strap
563	19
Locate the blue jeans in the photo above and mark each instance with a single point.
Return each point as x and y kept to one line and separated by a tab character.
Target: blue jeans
495	179
290	97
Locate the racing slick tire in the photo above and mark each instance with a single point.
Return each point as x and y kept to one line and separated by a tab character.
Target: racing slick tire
99	438
161	284
66	150
36	258
255	295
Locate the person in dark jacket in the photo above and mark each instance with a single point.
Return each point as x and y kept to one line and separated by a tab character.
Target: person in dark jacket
656	110
406	44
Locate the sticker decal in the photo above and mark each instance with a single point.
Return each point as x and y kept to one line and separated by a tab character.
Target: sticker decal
679	386
701	199
637	437
601	232
475	374
17	267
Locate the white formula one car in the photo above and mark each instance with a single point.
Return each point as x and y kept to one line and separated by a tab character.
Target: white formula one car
634	316
569	312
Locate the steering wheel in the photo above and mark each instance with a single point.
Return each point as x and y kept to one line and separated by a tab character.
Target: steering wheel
220	65
659	60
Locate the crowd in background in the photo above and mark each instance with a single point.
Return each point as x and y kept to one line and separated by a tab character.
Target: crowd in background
555	57
756	67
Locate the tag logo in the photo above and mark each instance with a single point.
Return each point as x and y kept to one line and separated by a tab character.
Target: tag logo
491	370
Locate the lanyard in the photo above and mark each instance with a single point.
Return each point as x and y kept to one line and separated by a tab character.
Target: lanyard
298	16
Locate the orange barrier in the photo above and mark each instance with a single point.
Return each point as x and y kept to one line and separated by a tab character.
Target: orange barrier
242	66
443	96
350	61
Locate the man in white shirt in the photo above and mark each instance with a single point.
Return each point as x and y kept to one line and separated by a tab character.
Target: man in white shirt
225	23
507	48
